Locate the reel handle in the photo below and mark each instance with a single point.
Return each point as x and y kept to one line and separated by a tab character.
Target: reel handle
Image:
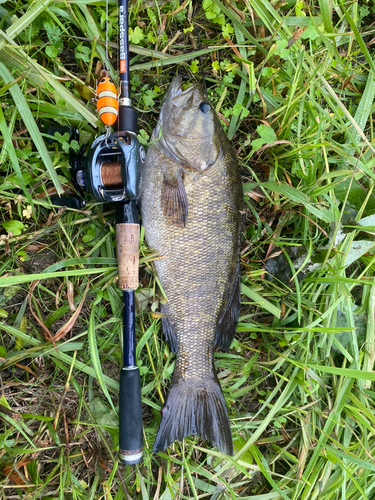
51	129
69	201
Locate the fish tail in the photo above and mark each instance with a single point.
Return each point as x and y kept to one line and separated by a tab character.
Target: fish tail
195	408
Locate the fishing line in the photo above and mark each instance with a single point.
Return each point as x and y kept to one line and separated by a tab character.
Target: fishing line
106	65
196	32
201	66
106	92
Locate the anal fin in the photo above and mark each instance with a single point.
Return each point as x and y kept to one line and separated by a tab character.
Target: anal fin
227	326
168	329
174	200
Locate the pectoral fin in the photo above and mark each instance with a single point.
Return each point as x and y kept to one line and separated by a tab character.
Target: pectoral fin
174	200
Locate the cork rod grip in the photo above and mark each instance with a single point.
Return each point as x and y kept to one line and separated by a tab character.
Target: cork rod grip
127	245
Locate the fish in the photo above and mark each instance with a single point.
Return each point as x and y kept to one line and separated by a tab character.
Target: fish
190	203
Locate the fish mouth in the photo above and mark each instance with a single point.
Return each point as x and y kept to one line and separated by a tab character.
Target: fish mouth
177	98
174	91
176	87
180	97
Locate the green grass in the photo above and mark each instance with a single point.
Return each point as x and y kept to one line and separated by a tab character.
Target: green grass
293	83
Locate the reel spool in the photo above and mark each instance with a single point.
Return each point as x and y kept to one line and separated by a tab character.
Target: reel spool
110	172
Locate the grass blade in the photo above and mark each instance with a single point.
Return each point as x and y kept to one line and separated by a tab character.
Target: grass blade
93	346
262	302
17	280
15	58
24	21
12	155
31	126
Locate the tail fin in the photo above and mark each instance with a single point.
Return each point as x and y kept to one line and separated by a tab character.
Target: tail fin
195	408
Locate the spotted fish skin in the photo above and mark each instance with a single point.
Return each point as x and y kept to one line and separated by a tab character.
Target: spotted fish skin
191	199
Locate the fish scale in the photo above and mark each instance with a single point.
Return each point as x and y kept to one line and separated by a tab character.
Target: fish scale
200	257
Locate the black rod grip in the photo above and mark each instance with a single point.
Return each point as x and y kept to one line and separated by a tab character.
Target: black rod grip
130	425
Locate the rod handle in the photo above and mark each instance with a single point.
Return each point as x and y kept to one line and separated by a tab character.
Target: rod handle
127	246
130	425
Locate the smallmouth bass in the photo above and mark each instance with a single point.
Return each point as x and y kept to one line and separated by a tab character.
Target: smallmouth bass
191	197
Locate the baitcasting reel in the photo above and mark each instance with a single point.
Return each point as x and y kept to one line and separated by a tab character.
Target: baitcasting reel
110	171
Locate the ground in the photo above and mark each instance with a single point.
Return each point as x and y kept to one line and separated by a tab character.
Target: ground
293	85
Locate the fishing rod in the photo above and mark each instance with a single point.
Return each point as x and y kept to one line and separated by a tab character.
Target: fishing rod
110	173
127	244
127	237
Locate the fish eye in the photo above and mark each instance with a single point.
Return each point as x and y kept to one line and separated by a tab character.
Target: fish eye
204	107
110	81
102	81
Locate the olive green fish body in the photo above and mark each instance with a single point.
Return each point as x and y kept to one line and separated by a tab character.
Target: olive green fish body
190	205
